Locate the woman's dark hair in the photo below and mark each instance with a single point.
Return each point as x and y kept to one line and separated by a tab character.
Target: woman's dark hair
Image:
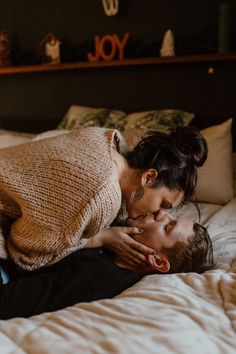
195	256
175	156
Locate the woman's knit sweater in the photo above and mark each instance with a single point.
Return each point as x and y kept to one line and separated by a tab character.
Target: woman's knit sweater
56	190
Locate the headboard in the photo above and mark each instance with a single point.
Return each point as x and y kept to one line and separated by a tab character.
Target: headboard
38	101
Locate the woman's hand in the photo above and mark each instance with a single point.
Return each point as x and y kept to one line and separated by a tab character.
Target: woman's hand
117	239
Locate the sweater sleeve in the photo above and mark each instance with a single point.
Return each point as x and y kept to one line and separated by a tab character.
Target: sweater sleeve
4	223
3	250
33	245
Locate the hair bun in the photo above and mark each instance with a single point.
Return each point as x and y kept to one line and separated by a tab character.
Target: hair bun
191	143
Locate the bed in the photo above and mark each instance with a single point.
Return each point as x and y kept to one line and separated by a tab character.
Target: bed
178	313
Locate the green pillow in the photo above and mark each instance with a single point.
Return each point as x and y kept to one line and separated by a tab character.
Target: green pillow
137	124
82	116
162	120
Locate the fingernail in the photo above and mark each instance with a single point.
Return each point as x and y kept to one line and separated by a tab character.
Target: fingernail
140	230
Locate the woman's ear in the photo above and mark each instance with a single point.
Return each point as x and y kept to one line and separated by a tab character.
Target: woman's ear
159	262
149	177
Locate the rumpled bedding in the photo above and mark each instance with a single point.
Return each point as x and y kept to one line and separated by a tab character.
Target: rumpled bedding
166	314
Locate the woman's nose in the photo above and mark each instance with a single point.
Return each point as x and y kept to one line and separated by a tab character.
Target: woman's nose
160	214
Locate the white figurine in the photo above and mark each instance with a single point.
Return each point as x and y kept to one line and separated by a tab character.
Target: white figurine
111	7
168	45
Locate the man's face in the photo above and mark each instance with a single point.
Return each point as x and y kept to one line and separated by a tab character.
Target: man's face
162	230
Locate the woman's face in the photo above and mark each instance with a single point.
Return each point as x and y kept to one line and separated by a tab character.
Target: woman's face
153	200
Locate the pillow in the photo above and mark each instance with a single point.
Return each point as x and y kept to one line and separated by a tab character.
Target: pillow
11	138
87	116
234	171
132	137
162	120
135	125
50	134
215	177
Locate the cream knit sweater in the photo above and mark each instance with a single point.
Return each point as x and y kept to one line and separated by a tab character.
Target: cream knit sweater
56	190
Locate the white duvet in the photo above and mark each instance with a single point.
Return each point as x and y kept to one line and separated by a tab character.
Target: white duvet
180	313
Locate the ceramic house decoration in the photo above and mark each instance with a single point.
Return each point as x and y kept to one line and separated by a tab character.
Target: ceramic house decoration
51	49
168	45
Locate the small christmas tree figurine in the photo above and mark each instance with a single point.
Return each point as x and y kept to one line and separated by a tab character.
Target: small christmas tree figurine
168	45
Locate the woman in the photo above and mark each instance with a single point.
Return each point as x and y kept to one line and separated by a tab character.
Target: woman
54	191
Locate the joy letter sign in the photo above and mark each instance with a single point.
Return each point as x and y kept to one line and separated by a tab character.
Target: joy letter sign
108	46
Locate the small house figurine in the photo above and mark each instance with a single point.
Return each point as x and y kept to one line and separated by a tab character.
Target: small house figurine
4	49
51	49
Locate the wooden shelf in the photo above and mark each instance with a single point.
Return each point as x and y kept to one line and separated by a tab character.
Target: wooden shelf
211	58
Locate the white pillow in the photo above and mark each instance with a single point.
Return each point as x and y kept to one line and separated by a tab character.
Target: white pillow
50	134
215	181
11	138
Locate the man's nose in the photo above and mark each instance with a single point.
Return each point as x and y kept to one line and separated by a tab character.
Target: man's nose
172	217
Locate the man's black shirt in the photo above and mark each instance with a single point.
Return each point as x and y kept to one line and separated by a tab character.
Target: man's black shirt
85	275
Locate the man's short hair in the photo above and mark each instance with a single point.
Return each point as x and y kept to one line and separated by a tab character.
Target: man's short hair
195	256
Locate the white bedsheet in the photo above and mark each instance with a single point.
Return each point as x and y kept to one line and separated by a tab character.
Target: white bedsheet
179	313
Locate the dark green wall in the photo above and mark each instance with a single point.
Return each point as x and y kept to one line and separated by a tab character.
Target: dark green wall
41	99
77	21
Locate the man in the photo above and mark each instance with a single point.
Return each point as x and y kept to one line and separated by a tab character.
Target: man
93	274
